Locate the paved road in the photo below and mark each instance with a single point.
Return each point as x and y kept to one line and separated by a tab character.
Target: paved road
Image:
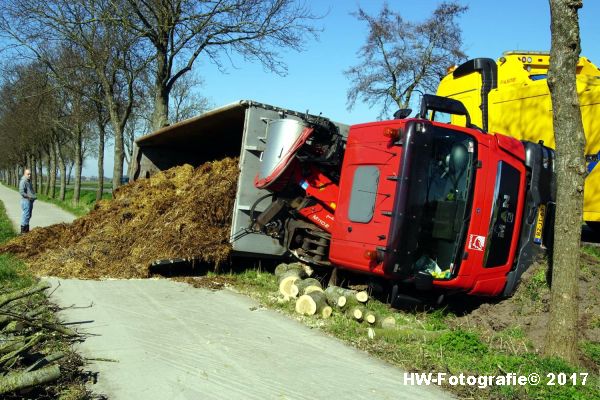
43	214
172	341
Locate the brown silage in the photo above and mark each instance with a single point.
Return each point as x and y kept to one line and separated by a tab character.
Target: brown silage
181	212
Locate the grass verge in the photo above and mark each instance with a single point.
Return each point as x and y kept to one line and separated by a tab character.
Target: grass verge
87	199
430	342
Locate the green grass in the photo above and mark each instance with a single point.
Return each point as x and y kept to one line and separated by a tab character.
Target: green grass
593	251
13	274
6	229
431	342
87	199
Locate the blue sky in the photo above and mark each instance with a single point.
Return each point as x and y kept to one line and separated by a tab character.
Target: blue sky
315	79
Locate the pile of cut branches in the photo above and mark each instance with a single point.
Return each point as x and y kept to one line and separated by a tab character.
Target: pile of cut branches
30	353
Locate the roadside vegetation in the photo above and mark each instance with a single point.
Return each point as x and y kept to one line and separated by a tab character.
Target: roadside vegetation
87	200
443	341
32	341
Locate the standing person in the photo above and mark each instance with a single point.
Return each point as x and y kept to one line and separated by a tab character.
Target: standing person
27	198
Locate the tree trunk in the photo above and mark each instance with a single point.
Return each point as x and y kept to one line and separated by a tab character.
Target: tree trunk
31	166
160	114
40	175
48	169
119	155
63	172
52	172
561	336
101	139
78	165
69	171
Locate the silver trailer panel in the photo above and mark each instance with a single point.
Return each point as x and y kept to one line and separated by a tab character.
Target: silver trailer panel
235	130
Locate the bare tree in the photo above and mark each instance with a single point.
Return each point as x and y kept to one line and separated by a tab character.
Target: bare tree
561	336
400	56
180	31
185	102
110	52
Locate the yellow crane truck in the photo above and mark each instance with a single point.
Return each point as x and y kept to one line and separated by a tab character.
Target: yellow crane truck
511	96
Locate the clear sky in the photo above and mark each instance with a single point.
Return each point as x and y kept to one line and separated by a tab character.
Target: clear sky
315	79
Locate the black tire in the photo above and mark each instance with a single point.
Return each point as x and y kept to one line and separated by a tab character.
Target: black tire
594	226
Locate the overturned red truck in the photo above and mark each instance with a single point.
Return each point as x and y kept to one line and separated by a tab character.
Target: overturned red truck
410	201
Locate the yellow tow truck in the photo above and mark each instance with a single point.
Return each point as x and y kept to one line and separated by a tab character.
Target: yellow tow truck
511	96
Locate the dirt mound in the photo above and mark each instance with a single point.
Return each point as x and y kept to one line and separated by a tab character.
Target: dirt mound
181	212
528	308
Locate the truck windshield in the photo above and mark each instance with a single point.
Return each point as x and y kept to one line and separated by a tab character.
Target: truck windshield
438	192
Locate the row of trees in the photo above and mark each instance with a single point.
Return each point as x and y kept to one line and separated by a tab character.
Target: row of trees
84	70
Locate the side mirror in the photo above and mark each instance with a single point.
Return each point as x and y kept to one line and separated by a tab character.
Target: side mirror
402	113
444	105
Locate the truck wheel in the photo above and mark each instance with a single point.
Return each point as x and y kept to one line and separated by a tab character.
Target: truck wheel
594	226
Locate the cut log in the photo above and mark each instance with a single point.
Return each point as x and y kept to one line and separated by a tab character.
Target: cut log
287	275
370	317
308	285
311	304
388	322
22	380
356	312
326	312
32	342
18	294
46	360
361	296
334	298
283	268
13	344
287	280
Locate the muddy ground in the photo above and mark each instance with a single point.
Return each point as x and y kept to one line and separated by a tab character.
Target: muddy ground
528	308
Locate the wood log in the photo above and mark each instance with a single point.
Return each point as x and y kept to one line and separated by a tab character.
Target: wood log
286	282
311	304
361	297
283	268
356	312
334	298
32	342
308	285
388	322
13	344
46	360
22	380
326	312
370	317
50	326
18	294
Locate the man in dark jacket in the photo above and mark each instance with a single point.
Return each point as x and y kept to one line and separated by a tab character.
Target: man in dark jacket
27	198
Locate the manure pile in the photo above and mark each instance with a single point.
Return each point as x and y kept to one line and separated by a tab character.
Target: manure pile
181	212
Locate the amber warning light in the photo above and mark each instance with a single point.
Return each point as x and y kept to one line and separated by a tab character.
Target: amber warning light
371	255
391	133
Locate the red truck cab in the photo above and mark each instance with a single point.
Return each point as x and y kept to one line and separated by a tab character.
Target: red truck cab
439	205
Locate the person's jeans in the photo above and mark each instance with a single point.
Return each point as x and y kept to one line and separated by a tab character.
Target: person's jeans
27	207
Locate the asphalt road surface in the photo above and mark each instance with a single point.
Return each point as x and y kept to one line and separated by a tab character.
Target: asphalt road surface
160	339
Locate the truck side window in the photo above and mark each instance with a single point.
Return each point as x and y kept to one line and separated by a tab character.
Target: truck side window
363	194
